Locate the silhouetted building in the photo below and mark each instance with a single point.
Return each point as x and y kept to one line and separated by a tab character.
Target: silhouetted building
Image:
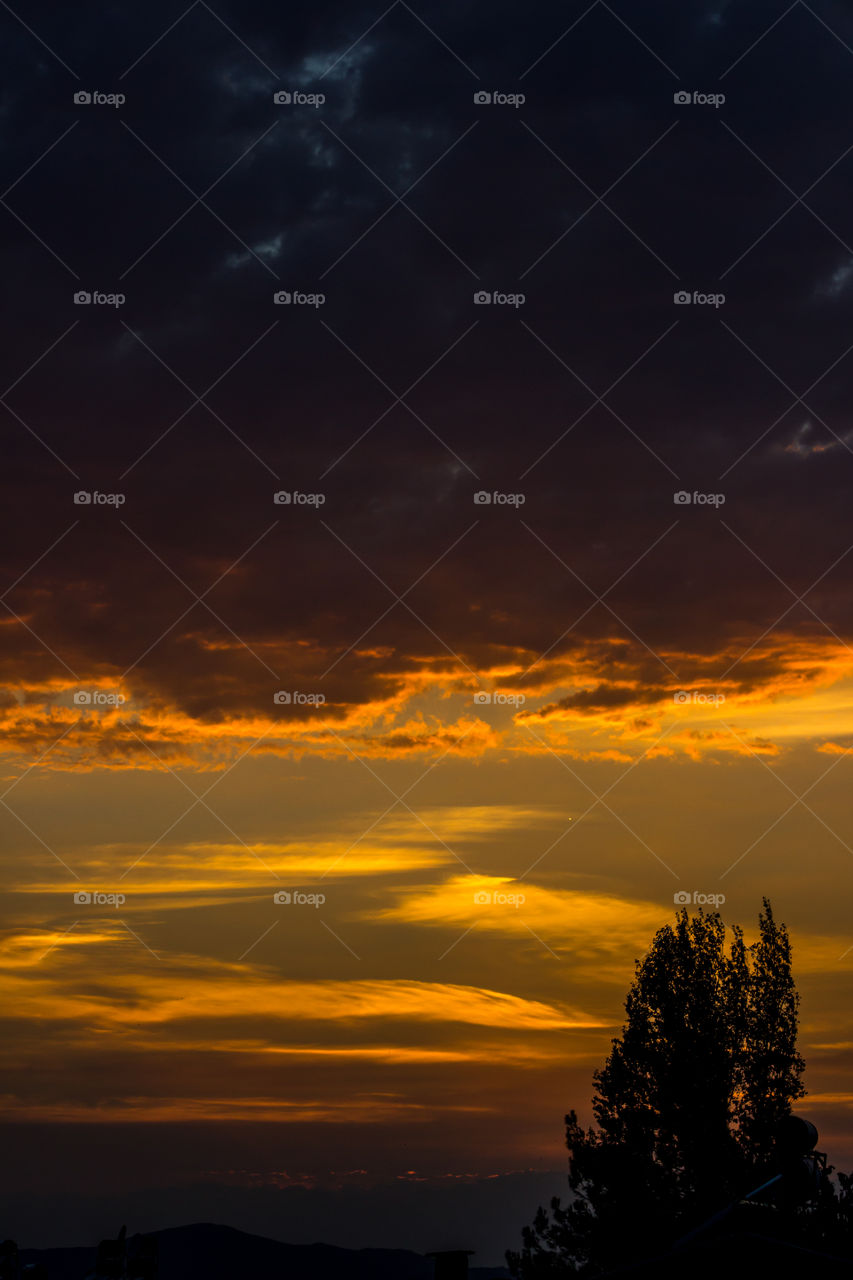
9	1267
752	1237
111	1261
736	1256
142	1258
451	1264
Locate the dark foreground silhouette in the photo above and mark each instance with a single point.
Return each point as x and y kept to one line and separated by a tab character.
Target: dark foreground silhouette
696	1163
222	1253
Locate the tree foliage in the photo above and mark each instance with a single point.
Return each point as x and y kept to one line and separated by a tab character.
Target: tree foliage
686	1105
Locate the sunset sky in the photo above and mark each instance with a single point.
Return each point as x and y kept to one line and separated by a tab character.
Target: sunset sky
668	683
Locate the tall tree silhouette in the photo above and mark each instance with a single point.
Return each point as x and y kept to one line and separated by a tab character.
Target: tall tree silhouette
687	1102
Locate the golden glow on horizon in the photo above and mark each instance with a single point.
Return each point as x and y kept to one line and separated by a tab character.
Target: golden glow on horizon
446	983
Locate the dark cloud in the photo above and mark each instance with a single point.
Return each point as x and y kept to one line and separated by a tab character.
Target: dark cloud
400	299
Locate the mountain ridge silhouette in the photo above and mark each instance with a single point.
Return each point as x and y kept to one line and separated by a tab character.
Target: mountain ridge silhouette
220	1252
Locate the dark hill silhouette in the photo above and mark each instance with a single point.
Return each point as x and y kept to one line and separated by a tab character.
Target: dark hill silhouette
223	1253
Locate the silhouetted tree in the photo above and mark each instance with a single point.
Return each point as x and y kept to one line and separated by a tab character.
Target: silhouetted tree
686	1104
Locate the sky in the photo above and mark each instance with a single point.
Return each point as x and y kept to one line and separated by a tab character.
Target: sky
427	554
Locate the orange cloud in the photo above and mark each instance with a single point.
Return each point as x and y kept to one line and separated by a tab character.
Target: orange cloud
582	922
604	702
